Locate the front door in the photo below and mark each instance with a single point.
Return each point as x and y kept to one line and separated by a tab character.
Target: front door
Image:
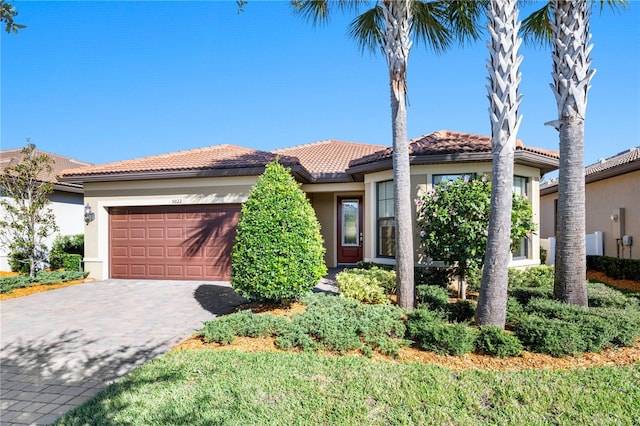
349	229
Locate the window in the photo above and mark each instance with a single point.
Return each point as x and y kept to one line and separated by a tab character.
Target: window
521	187
385	215
436	179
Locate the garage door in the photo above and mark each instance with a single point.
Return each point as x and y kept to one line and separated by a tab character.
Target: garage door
172	242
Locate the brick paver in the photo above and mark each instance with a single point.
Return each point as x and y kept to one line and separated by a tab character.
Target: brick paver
60	348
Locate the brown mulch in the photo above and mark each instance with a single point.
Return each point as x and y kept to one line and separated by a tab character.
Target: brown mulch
621	284
38	288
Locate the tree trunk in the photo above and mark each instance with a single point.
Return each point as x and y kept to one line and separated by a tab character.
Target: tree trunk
396	45
504	80
572	74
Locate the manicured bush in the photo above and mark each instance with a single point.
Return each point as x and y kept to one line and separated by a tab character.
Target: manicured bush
495	342
614	267
71	262
432	296
555	337
536	276
278	252
515	310
367	285
64	245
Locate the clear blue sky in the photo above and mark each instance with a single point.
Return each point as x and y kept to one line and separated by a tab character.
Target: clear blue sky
109	81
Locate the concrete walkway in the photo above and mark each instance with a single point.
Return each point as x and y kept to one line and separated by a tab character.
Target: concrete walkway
60	348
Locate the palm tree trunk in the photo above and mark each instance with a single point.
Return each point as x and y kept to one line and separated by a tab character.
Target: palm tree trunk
396	45
572	74
504	80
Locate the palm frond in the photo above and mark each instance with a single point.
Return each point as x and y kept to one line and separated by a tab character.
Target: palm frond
319	11
366	29
536	28
429	25
463	17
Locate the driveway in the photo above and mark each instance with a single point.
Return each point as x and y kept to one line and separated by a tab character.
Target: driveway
59	348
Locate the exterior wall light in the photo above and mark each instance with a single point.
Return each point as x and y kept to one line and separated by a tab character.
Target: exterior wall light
89	216
614	217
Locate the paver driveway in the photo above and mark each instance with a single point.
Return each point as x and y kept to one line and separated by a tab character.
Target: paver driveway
59	348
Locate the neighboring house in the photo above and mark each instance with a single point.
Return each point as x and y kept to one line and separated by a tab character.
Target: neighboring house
66	199
612	203
173	216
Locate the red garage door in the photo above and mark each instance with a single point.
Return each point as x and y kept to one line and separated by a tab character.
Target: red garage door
172	242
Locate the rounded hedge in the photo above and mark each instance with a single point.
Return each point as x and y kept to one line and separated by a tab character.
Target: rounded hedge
278	252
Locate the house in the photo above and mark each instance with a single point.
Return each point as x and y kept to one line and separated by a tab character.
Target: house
612	204
173	216
66	199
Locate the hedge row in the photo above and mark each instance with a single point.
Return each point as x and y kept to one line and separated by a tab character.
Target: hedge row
615	267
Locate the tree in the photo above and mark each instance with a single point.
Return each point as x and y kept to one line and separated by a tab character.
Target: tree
7	13
389	26
278	253
454	222
27	219
504	80
566	25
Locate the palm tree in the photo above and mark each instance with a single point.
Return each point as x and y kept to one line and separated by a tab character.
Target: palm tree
7	13
389	26
504	79
566	23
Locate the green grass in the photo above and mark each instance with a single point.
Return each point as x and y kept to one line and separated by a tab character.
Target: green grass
208	387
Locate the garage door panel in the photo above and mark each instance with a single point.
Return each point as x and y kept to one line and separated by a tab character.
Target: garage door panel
173	242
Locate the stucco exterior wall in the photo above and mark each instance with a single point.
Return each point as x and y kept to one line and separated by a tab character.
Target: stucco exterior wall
68	210
601	199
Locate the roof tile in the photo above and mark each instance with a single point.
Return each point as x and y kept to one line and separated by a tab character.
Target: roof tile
11	157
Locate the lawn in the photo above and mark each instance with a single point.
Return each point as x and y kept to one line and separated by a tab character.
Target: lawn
208	387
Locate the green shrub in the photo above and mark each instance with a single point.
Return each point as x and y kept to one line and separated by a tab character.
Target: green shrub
71	262
474	279
225	329
64	245
614	267
495	342
450	339
430	331
278	252
19	262
461	311
7	284
432	296
434	276
601	295
524	295
555	337
536	276
515	310
367	285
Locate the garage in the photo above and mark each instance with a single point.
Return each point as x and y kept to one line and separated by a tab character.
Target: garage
177	242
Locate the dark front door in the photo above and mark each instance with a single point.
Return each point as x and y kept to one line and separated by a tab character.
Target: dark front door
349	229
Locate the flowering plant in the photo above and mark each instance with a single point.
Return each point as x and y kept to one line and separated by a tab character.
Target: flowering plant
453	222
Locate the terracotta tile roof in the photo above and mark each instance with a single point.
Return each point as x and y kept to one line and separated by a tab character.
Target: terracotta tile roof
214	158
11	157
328	160
622	158
621	163
448	142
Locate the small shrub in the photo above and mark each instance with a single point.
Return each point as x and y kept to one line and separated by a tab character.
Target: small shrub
555	337
54	277
450	339
524	295
422	318
434	276
515	310
461	311
296	338
536	276
495	342
601	295
71	262
63	245
278	252
474	279
19	262
432	296
367	285
225	329
7	284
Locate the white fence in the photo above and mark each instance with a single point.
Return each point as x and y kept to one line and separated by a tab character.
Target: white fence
594	244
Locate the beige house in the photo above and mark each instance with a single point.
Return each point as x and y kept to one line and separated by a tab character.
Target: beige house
612	204
173	216
66	199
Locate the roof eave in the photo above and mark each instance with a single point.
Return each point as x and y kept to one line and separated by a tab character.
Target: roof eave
613	171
